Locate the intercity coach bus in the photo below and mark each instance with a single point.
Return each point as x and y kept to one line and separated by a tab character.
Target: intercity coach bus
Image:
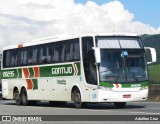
97	68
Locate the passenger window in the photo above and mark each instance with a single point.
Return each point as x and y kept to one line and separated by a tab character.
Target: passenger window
23	58
45	53
7	62
56	52
33	56
15	59
72	50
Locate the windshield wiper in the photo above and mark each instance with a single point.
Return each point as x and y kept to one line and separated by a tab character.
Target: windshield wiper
119	72
104	71
133	75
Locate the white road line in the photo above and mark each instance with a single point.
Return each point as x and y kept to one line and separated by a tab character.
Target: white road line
59	108
101	110
148	113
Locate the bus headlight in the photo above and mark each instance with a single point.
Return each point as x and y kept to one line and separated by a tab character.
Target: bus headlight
105	88
144	87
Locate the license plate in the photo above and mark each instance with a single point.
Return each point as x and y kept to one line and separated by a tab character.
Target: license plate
127	96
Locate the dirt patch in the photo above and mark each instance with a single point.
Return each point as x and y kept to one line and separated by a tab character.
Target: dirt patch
154	93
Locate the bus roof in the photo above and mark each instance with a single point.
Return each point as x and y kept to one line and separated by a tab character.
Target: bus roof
64	37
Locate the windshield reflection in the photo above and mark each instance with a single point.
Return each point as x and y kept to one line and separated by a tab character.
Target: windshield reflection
114	67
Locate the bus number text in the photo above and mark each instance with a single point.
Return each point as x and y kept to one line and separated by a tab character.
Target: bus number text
8	74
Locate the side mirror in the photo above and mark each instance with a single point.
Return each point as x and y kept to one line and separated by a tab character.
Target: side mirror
153	54
97	54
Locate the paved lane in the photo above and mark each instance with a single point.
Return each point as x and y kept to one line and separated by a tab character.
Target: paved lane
44	108
146	109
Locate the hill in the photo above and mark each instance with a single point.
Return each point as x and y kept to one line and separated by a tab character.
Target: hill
152	41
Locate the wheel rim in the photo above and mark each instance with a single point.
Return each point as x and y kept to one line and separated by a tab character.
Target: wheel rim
77	97
17	97
24	99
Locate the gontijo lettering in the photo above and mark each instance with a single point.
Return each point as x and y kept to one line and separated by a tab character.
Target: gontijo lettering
62	70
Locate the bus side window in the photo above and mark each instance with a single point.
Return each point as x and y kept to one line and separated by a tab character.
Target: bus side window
23	58
7	62
76	51
49	54
56	54
68	51
59	52
30	56
72	50
45	54
33	56
15	58
63	52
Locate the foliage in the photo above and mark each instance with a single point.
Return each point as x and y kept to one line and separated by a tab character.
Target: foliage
152	41
154	69
154	74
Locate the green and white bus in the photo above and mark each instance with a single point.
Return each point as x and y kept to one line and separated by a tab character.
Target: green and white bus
97	68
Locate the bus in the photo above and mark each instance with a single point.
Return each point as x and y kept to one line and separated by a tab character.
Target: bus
89	68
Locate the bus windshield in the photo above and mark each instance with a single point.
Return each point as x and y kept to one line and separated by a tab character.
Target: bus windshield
117	68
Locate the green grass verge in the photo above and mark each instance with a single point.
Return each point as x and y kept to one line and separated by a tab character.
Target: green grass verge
154	74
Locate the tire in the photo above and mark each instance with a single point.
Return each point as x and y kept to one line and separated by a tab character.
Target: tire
24	97
17	97
77	99
119	104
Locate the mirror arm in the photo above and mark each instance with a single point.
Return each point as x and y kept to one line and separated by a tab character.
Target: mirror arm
97	54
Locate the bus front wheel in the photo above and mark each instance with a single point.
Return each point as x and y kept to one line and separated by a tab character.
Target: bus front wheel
119	104
77	99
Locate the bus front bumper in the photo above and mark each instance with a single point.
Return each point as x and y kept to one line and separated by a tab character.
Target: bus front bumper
121	96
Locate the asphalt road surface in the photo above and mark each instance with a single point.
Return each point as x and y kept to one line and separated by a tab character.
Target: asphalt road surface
143	110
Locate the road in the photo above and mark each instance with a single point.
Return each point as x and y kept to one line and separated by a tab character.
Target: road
8	107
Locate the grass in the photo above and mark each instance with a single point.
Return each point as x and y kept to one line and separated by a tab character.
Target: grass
154	74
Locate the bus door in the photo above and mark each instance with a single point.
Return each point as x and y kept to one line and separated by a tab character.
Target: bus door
90	67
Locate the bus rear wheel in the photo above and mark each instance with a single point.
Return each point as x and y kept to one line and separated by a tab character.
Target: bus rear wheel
17	97
119	104
77	99
24	97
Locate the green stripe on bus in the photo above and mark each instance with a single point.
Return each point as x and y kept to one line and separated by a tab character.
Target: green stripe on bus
107	84
35	84
79	68
45	71
9	74
19	73
139	84
59	70
31	72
